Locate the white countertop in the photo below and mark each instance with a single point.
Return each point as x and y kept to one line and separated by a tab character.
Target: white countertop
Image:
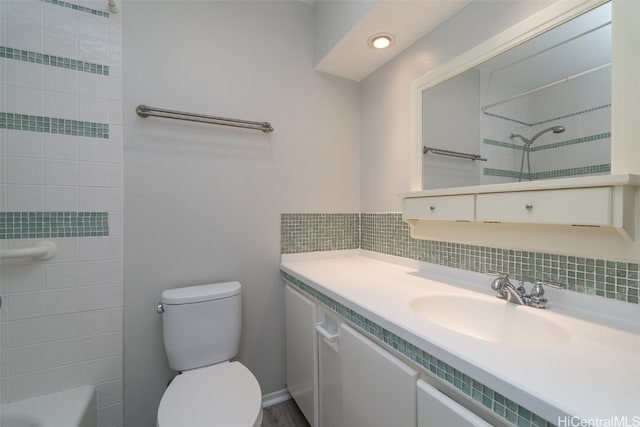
594	375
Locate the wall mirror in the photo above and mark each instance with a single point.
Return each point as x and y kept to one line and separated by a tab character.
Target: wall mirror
532	103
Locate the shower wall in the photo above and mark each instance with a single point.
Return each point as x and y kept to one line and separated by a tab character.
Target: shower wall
61	180
582	106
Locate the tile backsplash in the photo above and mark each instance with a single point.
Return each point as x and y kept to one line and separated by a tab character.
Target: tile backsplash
387	233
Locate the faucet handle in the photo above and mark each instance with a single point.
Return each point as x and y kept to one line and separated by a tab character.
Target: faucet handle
499	282
538	288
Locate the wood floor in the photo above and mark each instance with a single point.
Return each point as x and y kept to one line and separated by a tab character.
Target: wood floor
285	414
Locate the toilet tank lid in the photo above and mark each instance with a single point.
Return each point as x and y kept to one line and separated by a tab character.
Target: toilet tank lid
200	293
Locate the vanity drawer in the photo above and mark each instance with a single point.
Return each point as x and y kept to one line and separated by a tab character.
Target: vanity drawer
450	208
581	206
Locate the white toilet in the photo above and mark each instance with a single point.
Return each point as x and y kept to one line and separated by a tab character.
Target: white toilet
201	328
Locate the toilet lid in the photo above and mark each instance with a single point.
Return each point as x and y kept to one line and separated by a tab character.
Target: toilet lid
225	394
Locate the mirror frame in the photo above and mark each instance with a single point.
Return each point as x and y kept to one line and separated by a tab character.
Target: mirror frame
625	80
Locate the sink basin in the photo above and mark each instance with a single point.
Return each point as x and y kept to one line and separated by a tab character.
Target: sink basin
491	320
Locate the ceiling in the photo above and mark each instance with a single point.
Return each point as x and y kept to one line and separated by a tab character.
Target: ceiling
406	20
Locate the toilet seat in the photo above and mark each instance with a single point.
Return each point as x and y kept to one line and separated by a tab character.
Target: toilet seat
224	394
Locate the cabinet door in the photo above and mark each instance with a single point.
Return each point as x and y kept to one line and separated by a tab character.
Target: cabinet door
435	409
329	383
301	315
378	390
577	206
450	208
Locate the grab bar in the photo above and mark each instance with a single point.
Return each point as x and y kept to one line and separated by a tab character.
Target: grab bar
441	152
146	111
45	249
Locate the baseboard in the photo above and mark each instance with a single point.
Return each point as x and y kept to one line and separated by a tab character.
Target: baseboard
275	398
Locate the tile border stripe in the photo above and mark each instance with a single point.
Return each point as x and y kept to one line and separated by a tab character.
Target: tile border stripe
565	143
53	61
500	405
38	225
25	122
558	173
77	7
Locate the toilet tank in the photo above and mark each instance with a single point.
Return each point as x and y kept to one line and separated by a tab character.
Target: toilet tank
201	325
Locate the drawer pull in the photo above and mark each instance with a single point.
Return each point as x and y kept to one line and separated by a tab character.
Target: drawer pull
528	206
432	208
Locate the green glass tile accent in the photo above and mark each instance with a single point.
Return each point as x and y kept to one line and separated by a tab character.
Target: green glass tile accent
54	125
319	232
560	173
518	147
387	233
38	225
483	395
577	113
53	61
77	7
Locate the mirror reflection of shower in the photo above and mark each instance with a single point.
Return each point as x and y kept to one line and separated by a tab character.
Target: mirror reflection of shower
527	144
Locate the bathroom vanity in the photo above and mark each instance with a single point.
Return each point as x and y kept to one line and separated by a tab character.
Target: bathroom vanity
393	339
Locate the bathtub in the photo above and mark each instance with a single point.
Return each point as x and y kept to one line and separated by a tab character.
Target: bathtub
70	408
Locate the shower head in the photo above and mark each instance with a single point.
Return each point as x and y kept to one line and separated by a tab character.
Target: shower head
554	129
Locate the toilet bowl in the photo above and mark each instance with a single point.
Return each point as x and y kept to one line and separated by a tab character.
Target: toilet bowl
201	330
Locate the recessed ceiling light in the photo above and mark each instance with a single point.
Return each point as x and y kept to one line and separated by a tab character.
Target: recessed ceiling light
380	41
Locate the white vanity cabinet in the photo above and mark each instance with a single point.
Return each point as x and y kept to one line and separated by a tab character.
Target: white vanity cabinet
300	317
451	208
378	390
435	409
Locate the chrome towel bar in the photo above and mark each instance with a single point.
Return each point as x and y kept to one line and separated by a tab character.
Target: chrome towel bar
146	111
441	152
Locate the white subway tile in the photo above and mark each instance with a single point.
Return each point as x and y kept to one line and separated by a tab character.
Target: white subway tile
93	85
26	359
62	275
29	10
59	172
115	224
115	247
93	109
82	349
20	387
25	171
115	91
25	144
116	319
4	337
115	112
115	271
115	133
61	301
93	150
92	26
23	100
115	56
60	80
67	250
94	273
61	147
25	332
61	18
25	197
115	151
93	199
115	200
77	325
111	416
26	74
61	105
60	199
24	35
99	297
23	277
115	175
25	305
93	248
60	43
93	174
109	393
4	363
93	50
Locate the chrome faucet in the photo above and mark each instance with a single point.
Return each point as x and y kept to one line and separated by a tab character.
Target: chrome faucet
507	291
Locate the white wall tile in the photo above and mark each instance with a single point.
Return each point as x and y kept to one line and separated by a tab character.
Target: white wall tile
115	112
93	26
99	297
93	199
25	305
25	197
61	105
115	247
29	10
62	275
115	200
24	100
93	248
115	175
23	277
61	199
60	172
60	43
61	301
26	359
93	174
94	273
93	85
82	350
115	87
115	272
115	224
60	80
61	18
26	74
67	250
25	144
93	50
108	393
61	147
27	385
25	171
24	34
77	325
115	151
25	332
93	109
93	150
111	416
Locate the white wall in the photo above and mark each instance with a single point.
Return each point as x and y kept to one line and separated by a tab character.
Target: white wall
385	95
61	321
203	202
